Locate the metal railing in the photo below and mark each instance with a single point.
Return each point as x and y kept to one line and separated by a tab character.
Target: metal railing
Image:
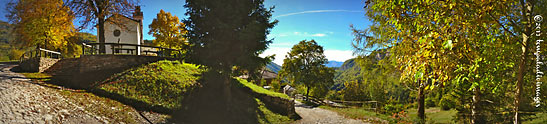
129	49
40	52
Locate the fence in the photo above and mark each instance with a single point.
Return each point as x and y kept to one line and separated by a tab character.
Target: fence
373	104
39	52
131	49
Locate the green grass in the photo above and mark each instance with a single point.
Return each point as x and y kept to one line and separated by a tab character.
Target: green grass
539	118
360	113
162	83
270	117
261	90
435	115
36	75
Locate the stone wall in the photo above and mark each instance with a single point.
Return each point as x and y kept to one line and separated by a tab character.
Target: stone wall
39	64
276	104
87	71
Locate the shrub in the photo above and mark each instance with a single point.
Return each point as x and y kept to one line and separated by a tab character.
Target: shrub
276	86
446	103
333	95
15	54
393	108
429	102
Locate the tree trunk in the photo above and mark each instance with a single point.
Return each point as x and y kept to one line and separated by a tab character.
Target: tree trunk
421	102
476	108
526	11
307	93
101	21
228	92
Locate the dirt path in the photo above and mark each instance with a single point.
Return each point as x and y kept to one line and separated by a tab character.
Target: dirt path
315	115
21	101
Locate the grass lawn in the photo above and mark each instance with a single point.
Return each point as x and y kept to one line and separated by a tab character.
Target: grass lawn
162	83
42	76
261	90
435	115
361	114
539	118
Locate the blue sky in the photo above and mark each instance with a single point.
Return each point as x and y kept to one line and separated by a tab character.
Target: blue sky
325	21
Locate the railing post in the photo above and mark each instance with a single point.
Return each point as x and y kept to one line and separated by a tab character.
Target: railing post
83	49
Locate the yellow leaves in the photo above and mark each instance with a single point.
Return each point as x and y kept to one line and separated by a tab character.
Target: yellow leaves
47	23
168	31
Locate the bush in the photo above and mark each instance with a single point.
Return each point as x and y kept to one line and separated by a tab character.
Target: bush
446	103
276	86
393	108
15	54
333	95
429	102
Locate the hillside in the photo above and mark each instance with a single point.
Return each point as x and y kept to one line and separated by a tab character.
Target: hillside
5	29
334	64
168	86
273	67
348	71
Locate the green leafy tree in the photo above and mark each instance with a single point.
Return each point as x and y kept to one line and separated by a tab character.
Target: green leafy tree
427	36
227	37
304	65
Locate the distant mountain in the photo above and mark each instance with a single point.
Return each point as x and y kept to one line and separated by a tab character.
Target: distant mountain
348	71
5	30
334	64
273	67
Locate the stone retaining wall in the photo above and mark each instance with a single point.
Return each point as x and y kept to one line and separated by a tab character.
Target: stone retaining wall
276	104
39	64
88	70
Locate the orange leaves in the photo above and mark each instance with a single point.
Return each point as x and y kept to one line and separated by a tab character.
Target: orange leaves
42	22
168	31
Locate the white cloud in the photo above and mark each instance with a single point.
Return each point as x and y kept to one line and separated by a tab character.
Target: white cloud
306	34
332	55
315	11
339	55
319	35
279	52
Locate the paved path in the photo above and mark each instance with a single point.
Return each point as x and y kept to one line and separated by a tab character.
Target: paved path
315	115
22	101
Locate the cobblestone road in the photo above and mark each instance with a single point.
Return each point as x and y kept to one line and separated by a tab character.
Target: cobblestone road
22	101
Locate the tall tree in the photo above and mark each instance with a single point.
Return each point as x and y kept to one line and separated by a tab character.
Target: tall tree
305	64
168	31
96	12
427	36
227	37
43	23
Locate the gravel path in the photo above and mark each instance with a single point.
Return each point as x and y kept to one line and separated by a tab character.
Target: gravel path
315	115
22	101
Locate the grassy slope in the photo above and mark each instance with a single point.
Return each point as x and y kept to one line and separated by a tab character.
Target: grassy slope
261	90
161	83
